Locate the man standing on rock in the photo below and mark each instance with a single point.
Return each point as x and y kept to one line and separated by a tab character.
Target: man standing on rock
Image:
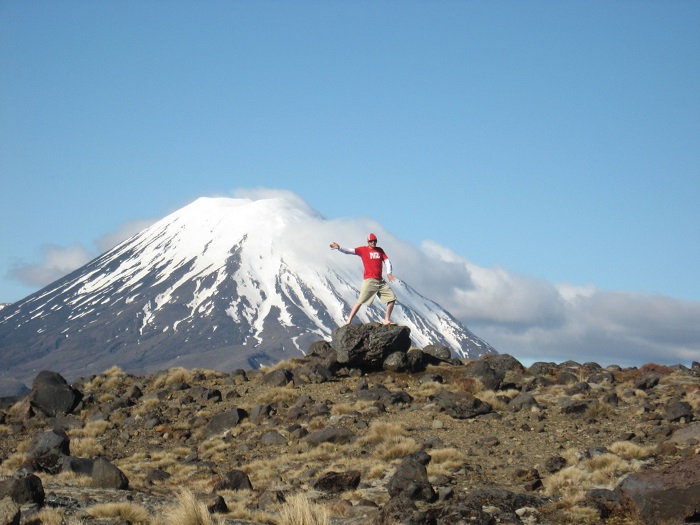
373	283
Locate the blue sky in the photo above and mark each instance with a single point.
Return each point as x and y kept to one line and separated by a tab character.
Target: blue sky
558	141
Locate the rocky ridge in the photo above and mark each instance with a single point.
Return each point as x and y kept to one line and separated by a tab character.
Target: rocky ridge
366	428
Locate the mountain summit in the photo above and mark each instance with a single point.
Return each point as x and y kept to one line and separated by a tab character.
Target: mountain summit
220	284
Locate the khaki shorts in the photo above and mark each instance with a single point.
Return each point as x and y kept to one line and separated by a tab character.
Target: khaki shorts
372	287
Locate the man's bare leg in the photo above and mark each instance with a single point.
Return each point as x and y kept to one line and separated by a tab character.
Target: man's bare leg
353	311
389	309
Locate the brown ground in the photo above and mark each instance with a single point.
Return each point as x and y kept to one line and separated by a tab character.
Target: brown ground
504	449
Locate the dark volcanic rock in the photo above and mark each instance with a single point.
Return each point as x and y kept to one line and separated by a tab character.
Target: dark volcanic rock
234	480
225	421
105	475
366	346
52	395
47	451
461	405
668	496
331	435
24	489
337	482
411	479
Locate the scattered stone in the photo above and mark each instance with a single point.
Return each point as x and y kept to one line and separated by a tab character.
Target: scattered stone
555	464
47	451
439	352
234	480
461	405
676	410
667	496
338	435
23	489
272	437
337	482
107	476
366	346
647	382
411	479
225	421
52	395
396	362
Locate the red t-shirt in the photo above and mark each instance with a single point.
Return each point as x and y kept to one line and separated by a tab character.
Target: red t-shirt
372	259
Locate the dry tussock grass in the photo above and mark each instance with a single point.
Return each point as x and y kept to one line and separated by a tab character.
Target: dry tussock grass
87	447
48	516
188	511
445	460
492	398
130	512
466	384
428	389
380	431
146	406
279	394
630	450
92	429
174	375
300	510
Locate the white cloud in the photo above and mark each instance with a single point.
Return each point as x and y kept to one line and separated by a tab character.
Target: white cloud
58	261
535	320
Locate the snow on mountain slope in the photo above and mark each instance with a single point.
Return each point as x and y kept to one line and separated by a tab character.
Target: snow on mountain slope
220	283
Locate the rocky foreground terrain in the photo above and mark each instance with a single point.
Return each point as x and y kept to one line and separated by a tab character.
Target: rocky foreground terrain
363	430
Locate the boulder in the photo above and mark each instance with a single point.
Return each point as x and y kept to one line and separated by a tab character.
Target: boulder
279	377
366	346
23	490
411	479
461	405
337	482
438	352
234	480
396	362
82	466
668	496
224	421
52	396
105	475
47	451
482	370
675	410
338	435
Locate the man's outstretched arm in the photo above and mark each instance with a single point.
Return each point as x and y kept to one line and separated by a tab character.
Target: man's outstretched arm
336	246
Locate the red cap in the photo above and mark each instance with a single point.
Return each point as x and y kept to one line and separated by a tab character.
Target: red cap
371	237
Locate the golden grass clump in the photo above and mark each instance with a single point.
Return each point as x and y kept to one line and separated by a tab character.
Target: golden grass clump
172	376
48	516
444	461
92	429
380	432
188	511
278	394
87	447
570	483
492	398
131	512
630	450
467	384
300	510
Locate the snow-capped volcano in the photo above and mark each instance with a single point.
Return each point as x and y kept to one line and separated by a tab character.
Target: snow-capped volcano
221	283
